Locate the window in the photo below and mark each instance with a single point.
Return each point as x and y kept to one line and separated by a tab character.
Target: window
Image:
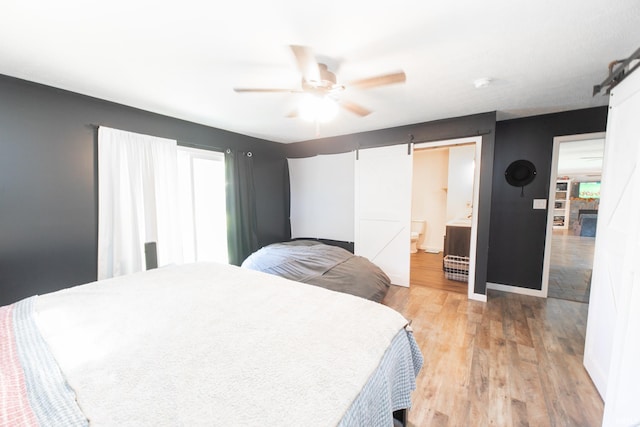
203	213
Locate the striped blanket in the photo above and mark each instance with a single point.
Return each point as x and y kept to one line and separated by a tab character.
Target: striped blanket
32	389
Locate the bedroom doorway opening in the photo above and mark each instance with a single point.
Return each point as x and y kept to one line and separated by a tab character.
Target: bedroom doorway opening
444	200
574	199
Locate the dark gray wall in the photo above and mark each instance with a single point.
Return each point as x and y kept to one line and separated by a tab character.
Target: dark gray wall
271	175
479	124
48	182
517	238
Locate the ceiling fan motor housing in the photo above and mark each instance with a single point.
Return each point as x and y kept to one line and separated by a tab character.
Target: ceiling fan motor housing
327	83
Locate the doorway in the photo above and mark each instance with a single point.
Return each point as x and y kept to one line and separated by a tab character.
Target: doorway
444	197
574	197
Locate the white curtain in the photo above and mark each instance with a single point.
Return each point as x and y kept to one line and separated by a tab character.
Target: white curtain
137	201
322	195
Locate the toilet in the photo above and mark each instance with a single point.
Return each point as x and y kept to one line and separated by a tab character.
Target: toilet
417	229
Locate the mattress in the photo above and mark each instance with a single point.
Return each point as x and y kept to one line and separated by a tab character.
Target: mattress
207	344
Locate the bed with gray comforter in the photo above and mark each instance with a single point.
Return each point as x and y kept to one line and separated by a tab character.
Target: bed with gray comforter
318	264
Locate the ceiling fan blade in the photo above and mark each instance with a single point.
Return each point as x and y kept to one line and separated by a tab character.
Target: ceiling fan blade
386	79
242	89
307	63
355	108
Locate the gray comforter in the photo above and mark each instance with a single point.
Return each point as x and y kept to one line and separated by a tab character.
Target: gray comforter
322	265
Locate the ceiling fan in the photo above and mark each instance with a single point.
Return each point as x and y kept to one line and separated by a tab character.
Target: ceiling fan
319	81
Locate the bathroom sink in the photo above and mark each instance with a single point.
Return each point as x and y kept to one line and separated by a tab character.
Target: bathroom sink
460	222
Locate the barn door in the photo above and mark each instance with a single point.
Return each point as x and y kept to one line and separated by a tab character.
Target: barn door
612	347
383	209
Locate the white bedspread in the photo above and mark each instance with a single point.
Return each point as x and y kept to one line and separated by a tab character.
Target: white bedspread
210	344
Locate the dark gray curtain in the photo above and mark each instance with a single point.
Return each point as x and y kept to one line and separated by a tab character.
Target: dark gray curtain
242	228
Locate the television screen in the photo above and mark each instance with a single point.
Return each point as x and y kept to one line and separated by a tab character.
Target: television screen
589	190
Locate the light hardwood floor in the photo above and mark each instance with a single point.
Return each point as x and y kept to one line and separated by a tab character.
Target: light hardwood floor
513	361
426	270
570	266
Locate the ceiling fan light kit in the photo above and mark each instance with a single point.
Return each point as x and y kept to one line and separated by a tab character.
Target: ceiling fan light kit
321	90
317	108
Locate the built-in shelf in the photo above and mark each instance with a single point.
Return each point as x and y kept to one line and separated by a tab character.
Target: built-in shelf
561	204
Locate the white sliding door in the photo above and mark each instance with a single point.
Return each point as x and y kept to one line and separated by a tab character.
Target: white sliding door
612	348
383	209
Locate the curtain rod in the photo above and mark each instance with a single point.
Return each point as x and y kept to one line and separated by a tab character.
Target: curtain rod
203	147
181	143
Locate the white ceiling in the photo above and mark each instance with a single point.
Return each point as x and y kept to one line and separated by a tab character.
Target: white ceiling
581	160
183	58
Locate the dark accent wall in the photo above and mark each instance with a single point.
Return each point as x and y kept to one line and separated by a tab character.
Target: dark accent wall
271	176
518	232
48	181
478	124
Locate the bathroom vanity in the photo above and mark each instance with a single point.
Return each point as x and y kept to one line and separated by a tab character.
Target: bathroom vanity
457	238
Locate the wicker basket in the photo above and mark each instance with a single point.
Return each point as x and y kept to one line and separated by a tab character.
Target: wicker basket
456	268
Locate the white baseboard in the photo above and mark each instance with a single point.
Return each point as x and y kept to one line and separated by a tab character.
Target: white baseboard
431	249
516	289
398	281
478	297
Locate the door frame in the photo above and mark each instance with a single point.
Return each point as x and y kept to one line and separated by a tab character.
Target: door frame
477	140
546	263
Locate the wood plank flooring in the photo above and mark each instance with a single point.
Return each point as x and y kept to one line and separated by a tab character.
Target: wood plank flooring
513	361
426	270
571	266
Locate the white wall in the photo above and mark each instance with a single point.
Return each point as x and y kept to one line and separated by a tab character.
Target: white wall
460	181
429	195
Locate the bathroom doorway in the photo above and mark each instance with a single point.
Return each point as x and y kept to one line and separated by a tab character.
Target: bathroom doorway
444	221
574	198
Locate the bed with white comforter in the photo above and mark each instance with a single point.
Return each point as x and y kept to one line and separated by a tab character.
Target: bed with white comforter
204	344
